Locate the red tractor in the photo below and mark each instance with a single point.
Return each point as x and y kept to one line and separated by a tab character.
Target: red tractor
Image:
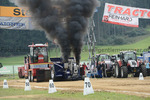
127	63
36	64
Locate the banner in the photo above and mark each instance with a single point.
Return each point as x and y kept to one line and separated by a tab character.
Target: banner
123	15
15	18
15	23
14	12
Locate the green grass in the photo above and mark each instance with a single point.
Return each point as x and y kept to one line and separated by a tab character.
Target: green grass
9	77
139	46
64	95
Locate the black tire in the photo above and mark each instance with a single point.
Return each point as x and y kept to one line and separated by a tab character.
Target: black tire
136	74
144	70
117	71
104	71
124	72
30	76
109	75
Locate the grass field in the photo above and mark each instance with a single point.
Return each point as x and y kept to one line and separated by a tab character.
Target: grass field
138	46
20	94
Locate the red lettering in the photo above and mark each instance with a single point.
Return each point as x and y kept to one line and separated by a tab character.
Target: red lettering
127	11
135	12
110	7
148	14
118	9
143	12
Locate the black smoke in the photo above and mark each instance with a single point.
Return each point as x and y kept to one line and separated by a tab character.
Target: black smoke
63	20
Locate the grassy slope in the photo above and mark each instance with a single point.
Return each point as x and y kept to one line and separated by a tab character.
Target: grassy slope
139	46
64	95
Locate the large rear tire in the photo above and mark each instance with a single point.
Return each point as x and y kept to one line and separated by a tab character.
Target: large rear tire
144	70
104	71
30	76
117	71
124	72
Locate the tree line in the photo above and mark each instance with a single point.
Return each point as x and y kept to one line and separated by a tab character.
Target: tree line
15	42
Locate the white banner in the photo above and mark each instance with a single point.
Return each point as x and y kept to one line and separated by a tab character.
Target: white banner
123	15
15	23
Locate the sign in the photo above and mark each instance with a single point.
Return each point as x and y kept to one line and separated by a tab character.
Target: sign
88	89
27	85
124	15
14	23
14	12
5	84
52	88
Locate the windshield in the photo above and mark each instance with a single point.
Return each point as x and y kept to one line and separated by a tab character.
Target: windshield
40	50
129	56
104	57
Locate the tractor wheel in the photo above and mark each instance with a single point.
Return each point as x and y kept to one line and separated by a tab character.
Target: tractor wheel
117	71
104	71
109	75
144	70
124	72
136	74
30	76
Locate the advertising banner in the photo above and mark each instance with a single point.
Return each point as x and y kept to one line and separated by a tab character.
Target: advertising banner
124	15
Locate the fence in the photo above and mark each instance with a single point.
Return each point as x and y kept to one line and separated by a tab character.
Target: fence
9	71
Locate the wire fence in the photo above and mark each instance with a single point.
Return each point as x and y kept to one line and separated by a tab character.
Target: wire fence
9	72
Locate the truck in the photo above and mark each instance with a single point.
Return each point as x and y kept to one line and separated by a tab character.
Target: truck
128	63
38	68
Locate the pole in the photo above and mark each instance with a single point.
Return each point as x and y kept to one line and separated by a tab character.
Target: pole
13	72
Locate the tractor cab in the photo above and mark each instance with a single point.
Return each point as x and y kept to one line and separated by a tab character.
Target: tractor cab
127	56
38	53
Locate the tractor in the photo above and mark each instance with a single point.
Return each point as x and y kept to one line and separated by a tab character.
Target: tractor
36	65
38	68
128	63
65	71
107	65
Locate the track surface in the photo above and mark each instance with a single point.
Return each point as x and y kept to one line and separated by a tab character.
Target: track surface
131	86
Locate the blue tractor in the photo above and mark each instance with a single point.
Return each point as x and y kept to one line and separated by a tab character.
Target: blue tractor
145	57
65	71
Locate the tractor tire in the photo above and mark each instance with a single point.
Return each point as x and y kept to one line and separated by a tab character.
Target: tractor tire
30	76
124	72
109	75
104	71
144	70
136	74
117	71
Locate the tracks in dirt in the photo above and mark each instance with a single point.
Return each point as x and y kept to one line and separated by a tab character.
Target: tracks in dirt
131	86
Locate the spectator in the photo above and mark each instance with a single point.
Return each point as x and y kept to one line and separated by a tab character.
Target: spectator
99	69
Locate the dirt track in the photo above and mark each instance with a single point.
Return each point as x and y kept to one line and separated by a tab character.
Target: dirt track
132	86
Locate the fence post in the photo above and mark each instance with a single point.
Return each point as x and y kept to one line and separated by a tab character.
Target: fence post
13	72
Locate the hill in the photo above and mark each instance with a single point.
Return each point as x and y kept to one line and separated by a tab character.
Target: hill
138	46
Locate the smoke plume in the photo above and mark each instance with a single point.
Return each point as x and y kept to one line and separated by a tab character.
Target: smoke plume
63	20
